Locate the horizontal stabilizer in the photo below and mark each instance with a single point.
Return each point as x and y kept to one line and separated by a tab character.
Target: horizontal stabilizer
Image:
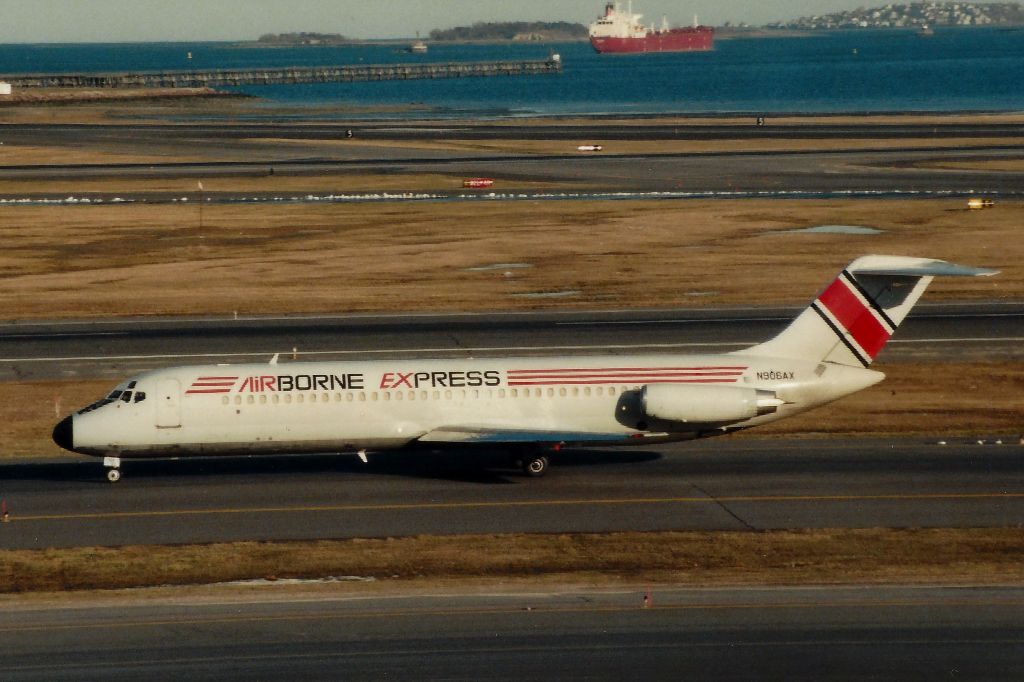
901	266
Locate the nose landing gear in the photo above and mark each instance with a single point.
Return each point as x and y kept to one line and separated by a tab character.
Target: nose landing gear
113	465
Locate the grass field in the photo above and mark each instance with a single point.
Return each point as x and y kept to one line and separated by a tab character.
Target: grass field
75	261
946	556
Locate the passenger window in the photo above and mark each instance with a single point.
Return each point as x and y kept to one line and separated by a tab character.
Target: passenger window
276	399
586	391
139	396
288	398
561	392
501	393
513	393
325	397
238	400
263	400
250	399
551	392
225	400
126	397
300	398
362	397
447	395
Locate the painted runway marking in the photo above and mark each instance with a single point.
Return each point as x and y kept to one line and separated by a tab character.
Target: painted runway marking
521	504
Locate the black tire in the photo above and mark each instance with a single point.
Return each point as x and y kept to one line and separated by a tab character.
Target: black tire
113	475
535	466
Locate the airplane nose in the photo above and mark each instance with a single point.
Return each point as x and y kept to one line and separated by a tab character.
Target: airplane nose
63	434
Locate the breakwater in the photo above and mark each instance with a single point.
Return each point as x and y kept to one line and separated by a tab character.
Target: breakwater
212	78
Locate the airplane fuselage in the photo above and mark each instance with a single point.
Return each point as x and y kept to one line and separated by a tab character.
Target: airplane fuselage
351	406
534	402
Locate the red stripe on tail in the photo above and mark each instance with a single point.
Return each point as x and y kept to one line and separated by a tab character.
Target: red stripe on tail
855	317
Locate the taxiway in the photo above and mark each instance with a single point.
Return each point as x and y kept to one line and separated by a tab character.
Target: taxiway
811	633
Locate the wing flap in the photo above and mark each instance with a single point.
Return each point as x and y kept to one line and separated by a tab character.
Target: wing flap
490	434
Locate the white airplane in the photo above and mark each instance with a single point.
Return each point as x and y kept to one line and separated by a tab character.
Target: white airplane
530	404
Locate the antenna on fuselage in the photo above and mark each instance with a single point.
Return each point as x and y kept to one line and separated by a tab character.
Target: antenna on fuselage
273	360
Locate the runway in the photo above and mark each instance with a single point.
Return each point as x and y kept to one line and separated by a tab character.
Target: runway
724	484
247	150
117	348
730	634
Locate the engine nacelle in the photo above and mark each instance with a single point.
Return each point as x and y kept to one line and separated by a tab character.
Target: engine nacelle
706	404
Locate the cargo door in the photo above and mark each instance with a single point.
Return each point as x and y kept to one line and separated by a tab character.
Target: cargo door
168	407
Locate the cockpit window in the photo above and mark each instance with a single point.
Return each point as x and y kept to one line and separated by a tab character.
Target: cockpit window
126	396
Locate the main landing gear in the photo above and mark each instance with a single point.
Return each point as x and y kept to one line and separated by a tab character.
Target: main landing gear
535	466
113	465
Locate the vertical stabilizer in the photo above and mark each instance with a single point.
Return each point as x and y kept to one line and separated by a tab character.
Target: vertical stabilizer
852	319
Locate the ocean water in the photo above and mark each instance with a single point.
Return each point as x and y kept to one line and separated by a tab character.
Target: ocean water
978	69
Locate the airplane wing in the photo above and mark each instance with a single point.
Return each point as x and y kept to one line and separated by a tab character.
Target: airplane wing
493	434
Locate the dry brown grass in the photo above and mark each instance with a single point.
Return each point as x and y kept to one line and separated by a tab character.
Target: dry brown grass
941	399
65	96
127	260
963	399
992	165
993	556
30	155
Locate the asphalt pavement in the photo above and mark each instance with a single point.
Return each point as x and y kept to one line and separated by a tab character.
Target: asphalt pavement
816	633
717	484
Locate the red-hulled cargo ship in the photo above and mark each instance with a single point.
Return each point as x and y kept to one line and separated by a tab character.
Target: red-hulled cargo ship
621	32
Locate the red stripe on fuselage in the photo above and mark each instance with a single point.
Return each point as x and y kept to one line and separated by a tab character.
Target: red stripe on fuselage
573	370
855	317
613	377
593	382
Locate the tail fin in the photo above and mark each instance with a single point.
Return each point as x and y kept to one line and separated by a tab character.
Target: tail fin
851	320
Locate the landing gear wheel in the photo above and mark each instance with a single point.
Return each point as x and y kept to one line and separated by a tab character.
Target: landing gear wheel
113	475
535	466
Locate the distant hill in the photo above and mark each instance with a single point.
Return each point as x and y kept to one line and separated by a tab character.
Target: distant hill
303	38
915	15
513	30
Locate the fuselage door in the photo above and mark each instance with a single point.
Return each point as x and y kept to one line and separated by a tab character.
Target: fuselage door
168	407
